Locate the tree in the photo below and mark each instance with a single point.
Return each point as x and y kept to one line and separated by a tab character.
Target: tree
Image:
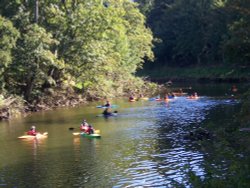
8	37
237	43
32	62
101	45
190	31
95	46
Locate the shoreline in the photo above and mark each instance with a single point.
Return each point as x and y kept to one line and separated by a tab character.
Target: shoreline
45	103
162	80
19	107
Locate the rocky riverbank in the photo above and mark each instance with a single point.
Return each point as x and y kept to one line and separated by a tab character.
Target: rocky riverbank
14	106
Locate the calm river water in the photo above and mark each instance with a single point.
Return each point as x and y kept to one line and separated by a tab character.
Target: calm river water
143	146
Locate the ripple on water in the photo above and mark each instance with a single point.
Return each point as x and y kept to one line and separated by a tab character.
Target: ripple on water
148	151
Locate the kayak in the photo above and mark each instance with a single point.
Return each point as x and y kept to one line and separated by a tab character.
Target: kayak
132	100
179	94
144	98
171	97
38	136
112	106
192	97
109	115
79	133
91	135
155	99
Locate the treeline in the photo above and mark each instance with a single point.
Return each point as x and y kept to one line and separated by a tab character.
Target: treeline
91	46
199	32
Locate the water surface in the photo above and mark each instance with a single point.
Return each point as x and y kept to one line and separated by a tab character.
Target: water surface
143	146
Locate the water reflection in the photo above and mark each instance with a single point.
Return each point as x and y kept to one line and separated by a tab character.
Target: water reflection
164	158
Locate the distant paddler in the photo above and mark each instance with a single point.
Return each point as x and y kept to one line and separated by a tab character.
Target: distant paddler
32	131
193	96
132	98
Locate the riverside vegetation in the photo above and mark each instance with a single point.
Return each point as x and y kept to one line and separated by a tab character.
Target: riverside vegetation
56	53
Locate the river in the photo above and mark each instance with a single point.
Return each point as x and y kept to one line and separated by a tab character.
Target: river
143	146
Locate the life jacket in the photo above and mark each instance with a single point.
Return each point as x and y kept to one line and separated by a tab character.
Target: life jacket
83	127
31	132
89	130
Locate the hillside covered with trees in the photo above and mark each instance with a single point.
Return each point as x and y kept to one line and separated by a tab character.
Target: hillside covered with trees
55	50
57	47
193	34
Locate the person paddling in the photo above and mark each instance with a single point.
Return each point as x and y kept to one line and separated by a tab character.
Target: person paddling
108	104
234	88
32	131
107	112
90	130
84	125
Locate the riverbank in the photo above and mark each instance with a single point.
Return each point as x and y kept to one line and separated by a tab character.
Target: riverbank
12	106
220	73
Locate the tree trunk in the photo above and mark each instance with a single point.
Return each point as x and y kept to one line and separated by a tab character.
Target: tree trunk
36	10
29	87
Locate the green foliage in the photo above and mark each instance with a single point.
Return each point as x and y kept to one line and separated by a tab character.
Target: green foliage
33	60
93	46
101	45
190	31
245	110
202	32
236	45
8	37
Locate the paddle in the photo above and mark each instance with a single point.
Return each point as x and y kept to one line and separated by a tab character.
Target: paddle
103	106
78	133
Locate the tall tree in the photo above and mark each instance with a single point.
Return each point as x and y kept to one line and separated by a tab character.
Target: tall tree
36	10
237	44
190	31
32	62
101	43
94	45
8	37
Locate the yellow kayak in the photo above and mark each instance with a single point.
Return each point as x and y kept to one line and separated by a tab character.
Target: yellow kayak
38	136
144	98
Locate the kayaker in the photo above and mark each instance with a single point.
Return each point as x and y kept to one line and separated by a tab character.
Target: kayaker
107	112
131	97
171	95
193	96
89	130
158	98
108	104
166	97
84	125
32	131
141	96
234	88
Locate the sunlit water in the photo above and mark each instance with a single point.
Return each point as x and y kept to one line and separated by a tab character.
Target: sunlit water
143	146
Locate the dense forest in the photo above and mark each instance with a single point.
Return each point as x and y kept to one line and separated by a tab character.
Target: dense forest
200	33
93	49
